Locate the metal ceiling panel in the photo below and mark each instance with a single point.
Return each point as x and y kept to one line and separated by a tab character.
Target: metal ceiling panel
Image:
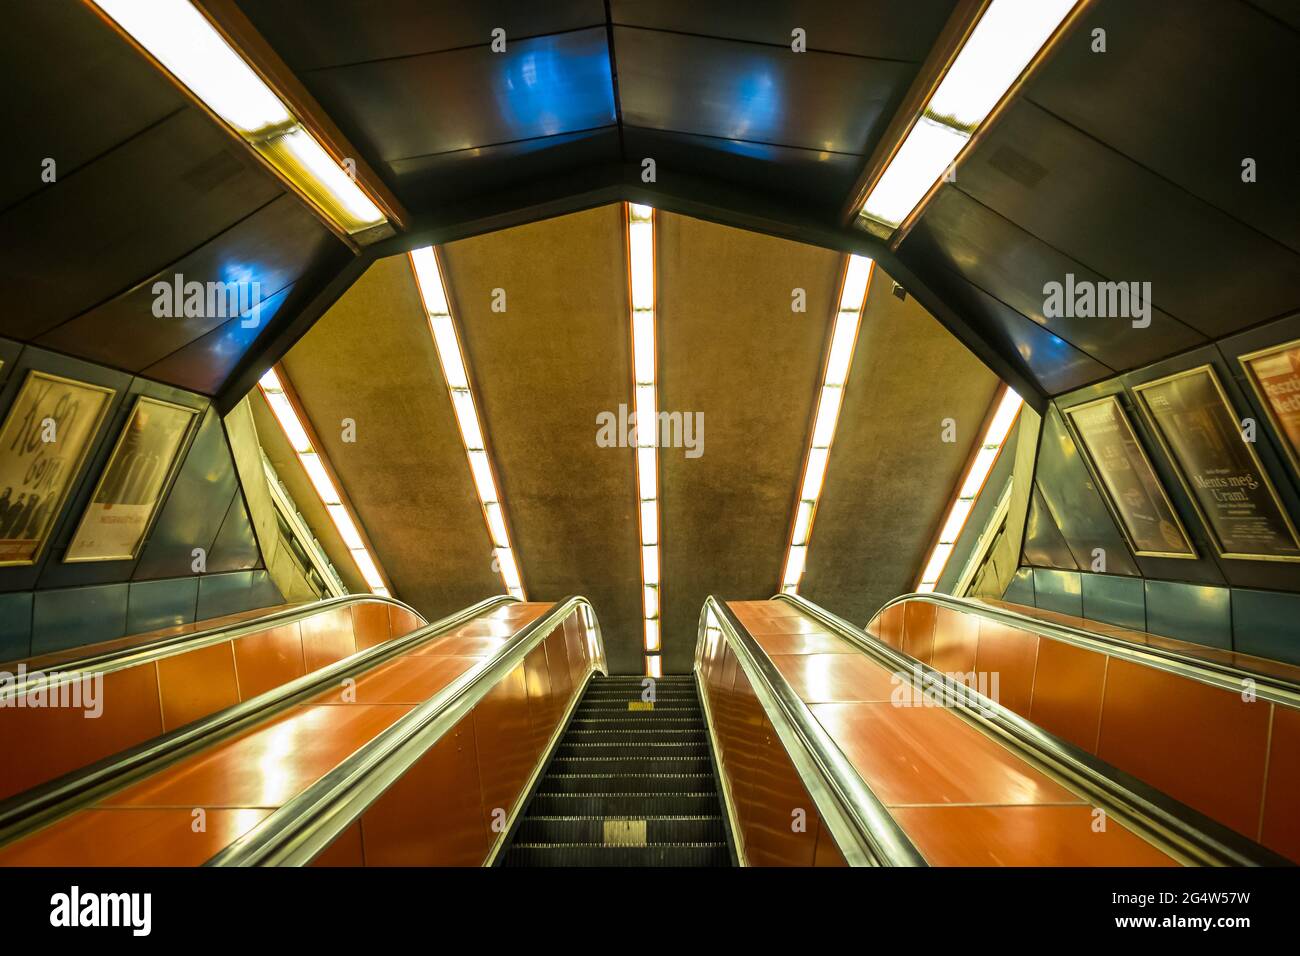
758	94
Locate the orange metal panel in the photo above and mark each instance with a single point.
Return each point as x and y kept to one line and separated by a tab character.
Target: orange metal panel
1011	654
889	625
557	665
1023	836
918	629
541	701
433	815
197	683
956	636
783	824
809	642
134	837
267	765
401	621
745	736
1200	744
410	679
370	624
1280	829
503	735
1068	685
487	627
39	744
462	646
346	850
828	854
268	659
926	755
575	648
818	678
327	637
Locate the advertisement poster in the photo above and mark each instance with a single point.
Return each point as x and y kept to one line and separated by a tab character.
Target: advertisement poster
1275	374
1220	468
43	443
1130	483
130	490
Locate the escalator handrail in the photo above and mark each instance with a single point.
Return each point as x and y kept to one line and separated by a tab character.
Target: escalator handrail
296	832
32	809
171	645
1215	673
863	829
1170	824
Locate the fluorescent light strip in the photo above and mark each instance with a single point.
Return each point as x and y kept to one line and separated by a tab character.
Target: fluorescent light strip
428	278
641	276
187	45
995	436
313	464
853	294
1009	34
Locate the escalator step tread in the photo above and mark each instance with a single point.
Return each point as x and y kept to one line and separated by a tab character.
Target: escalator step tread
623	830
683	854
624	804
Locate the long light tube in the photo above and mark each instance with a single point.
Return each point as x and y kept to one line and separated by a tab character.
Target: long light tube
968	489
319	474
1008	36
641	277
858	271
187	46
428	277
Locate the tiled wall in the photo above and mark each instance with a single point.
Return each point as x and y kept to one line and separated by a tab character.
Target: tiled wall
1247	620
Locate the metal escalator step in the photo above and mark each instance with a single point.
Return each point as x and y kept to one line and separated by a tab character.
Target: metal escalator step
628	783
616	764
549	803
637	733
636	720
678	854
621	831
633	748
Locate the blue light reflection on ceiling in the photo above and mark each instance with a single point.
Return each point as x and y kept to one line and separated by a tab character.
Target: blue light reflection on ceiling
551	85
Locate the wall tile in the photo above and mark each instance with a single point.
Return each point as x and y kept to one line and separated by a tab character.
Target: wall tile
1199	613
72	617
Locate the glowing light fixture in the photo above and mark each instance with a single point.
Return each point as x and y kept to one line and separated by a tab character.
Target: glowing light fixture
1008	36
972	483
641	277
853	293
182	40
314	465
428	277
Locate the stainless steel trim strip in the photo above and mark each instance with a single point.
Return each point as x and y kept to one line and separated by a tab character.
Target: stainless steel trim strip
32	809
1217	674
1174	827
863	829
175	644
300	829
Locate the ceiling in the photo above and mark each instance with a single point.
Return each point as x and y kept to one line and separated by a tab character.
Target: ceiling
728	348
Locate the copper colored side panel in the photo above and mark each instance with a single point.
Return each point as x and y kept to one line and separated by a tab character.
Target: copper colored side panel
1201	744
888	626
327	637
745	729
197	683
37	745
268	659
918	629
401	621
1010	653
828	854
1281	820
504	738
1068	686
541	702
346	850
956	636
783	825
557	665
829	678
575	648
370	624
433	815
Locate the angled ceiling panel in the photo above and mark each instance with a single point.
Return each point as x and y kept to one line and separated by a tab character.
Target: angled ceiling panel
371	358
544	370
731	349
891	476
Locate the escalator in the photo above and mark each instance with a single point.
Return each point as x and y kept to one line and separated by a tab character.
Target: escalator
630	784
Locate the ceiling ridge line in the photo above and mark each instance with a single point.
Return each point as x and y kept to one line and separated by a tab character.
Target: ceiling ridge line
668	31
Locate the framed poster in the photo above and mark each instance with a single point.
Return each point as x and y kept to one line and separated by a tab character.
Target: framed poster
43	442
1223	475
1128	481
129	492
1274	374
